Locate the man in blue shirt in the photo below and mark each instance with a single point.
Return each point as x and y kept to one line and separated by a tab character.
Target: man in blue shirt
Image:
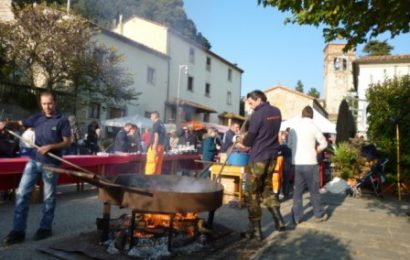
52	134
227	140
155	152
262	143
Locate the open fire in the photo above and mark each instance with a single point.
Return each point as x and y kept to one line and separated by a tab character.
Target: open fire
152	233
182	222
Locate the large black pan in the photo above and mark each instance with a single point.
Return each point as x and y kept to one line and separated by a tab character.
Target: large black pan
154	193
171	194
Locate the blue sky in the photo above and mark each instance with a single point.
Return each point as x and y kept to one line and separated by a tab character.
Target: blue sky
268	51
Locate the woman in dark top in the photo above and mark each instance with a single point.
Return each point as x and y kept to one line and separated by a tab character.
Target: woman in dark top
92	137
209	148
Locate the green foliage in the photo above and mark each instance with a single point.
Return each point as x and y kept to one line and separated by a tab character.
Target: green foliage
44	43
389	103
345	160
299	86
350	20
313	92
345	125
375	48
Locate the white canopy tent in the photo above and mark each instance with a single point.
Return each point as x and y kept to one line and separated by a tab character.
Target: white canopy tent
140	121
322	123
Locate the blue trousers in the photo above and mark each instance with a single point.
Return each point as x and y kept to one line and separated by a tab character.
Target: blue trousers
307	176
32	172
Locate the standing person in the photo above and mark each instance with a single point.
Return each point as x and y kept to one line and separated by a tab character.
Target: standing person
302	141
287	164
227	140
75	136
52	134
263	144
187	138
135	139
93	135
146	136
155	153
122	141
209	148
173	140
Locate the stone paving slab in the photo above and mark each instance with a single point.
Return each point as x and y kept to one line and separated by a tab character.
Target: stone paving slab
358	228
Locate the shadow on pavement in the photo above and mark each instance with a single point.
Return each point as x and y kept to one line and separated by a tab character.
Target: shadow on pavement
304	244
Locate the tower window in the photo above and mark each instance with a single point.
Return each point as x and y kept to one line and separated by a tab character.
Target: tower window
336	64
344	64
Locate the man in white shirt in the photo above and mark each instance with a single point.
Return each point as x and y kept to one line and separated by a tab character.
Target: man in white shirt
306	141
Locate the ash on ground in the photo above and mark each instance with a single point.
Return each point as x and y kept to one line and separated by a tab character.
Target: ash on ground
157	247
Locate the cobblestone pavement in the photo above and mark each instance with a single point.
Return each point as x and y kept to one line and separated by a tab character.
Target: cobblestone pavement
358	228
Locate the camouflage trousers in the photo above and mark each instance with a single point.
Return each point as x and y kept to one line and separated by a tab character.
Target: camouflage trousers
259	188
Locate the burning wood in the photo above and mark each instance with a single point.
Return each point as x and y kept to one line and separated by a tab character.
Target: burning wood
182	222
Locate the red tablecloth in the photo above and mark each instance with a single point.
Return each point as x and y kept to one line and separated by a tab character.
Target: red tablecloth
112	164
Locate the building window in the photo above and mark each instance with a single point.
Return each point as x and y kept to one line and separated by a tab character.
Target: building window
190	86
94	111
230	74
229	98
207	89
192	55
114	112
208	63
206	117
151	76
344	64
336	64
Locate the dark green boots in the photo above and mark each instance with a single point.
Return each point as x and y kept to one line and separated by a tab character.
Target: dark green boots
254	231
277	217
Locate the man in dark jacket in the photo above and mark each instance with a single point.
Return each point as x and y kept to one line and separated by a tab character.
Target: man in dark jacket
262	143
122	142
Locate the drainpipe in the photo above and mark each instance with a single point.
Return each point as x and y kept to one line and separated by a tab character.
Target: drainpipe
168	86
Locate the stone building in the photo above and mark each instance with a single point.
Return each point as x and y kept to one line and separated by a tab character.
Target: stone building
290	102
338	77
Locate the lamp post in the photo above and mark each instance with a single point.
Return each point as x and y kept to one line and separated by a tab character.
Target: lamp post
183	68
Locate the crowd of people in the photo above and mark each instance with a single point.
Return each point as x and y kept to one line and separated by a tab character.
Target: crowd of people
54	133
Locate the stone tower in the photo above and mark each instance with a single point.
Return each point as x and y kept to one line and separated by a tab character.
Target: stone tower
5	10
338	76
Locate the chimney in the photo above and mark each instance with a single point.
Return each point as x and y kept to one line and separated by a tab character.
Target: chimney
121	26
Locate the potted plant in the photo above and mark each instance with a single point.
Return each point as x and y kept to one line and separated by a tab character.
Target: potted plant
345	161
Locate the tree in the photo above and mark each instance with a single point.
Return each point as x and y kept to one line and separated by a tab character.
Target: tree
345	125
299	86
375	48
350	20
389	103
313	92
51	49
